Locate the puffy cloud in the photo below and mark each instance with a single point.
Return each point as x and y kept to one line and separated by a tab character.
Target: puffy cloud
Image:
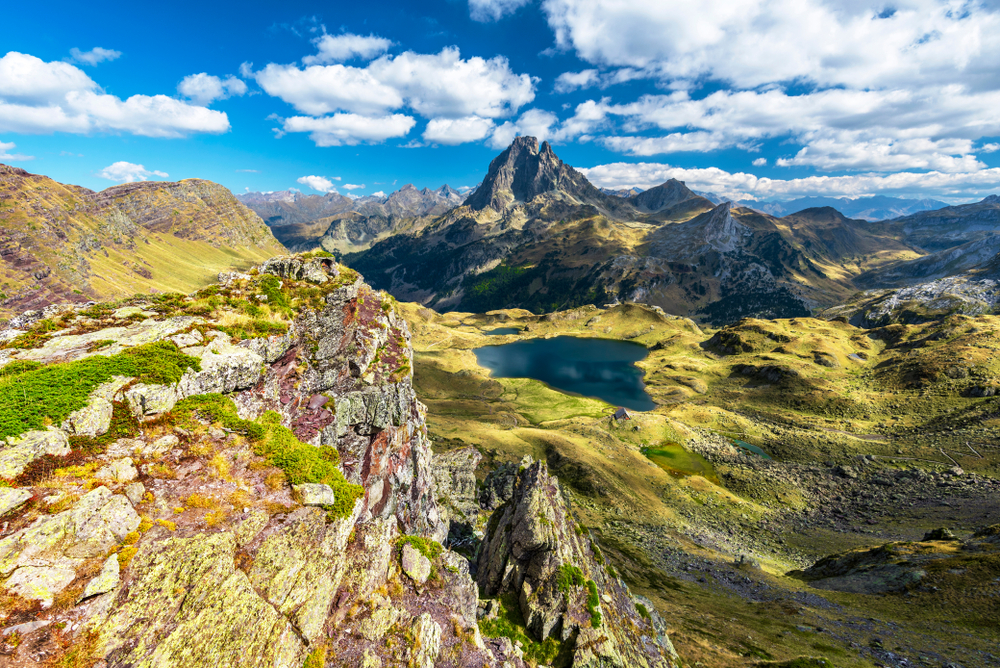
318	183
378	193
838	129
760	162
12	157
494	10
442	85
204	88
127	172
446	85
94	56
567	82
350	129
545	125
336	48
743	186
40	97
457	131
323	89
911	88
353	186
751	43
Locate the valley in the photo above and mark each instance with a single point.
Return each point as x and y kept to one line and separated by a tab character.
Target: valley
868	448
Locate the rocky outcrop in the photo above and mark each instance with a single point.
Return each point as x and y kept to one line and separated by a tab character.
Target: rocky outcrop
535	550
273	502
455	484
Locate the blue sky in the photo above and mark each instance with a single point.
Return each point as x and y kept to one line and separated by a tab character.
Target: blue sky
748	98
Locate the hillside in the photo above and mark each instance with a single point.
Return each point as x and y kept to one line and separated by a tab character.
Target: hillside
537	235
64	243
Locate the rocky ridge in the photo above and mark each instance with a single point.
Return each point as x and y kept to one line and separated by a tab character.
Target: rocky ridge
243	477
62	243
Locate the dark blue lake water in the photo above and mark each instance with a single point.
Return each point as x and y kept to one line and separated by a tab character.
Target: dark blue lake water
501	331
590	367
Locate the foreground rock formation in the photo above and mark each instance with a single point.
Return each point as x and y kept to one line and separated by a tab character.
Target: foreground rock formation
242	477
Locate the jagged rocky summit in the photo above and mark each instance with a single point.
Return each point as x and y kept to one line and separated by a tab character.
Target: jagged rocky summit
242	477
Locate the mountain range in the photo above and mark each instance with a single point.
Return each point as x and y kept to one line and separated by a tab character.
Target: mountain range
338	223
876	207
65	243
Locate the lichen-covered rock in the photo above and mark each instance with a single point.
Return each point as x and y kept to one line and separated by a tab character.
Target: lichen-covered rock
106	580
121	470
315	494
29	446
314	270
415	565
378	623
135	492
455	482
498	486
12	498
534	549
92	420
144	399
40	560
426	642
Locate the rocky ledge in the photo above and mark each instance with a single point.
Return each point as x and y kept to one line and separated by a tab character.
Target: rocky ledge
242	477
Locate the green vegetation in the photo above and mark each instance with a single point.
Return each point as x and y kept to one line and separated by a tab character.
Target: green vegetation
509	623
643	612
425	546
300	462
35	397
270	287
316	658
593	604
254	329
569	576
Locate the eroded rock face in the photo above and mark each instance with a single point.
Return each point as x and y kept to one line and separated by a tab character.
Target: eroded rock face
197	551
534	549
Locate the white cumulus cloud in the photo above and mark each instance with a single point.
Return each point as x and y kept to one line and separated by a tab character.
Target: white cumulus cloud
205	88
570	81
128	172
350	129
37	97
12	157
337	48
760	162
318	183
441	85
94	56
955	186
353	186
453	131
494	10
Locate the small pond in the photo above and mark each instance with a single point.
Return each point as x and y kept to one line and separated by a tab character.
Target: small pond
502	331
590	367
751	448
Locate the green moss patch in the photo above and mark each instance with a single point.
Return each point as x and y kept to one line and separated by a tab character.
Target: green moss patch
425	546
569	576
509	623
593	603
47	395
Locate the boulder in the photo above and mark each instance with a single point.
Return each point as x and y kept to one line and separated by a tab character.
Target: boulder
415	565
106	580
498	487
26	448
315	494
315	270
145	400
135	492
12	498
426	646
93	419
121	470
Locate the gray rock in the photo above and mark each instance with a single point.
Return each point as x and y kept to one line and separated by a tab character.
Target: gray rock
135	492
11	498
314	270
144	399
415	565
26	448
498	487
378	623
426	642
121	470
93	419
315	494
105	581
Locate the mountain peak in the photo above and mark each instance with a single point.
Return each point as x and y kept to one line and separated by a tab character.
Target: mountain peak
663	196
525	170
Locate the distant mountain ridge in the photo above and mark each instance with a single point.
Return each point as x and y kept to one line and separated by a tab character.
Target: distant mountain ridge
65	243
303	221
537	235
873	208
